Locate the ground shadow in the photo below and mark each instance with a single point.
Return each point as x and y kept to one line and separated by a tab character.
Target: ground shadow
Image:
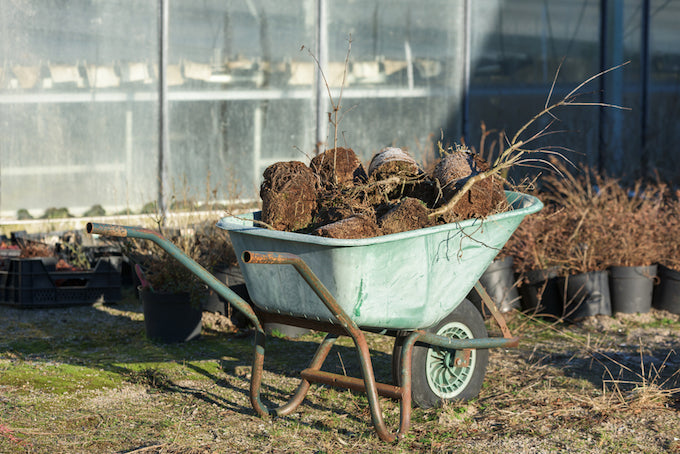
624	368
112	338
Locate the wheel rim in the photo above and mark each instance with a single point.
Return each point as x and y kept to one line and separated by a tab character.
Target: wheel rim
445	379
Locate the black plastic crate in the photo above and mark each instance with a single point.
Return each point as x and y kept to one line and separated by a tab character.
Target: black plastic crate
34	283
6	255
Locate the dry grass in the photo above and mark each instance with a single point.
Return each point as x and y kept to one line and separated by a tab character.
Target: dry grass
67	387
669	232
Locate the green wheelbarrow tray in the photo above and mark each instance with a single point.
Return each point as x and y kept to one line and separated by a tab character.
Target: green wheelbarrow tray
453	257
401	281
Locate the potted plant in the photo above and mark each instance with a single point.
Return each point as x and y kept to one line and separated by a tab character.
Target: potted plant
499	282
583	255
632	219
533	248
171	295
667	293
218	256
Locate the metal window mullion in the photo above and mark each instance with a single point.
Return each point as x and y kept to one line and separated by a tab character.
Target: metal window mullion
611	152
603	59
320	96
644	81
163	120
467	39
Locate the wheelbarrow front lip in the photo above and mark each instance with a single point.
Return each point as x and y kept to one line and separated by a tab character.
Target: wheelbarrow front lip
523	205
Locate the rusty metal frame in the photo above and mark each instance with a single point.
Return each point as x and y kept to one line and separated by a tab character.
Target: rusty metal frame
345	326
495	313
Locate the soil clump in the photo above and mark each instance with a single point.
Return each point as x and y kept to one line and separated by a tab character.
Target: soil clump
481	200
408	214
289	195
334	197
353	227
339	167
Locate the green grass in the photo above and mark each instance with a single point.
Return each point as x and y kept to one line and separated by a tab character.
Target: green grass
55	378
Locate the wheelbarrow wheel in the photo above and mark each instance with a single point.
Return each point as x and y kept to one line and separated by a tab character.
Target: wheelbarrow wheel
434	378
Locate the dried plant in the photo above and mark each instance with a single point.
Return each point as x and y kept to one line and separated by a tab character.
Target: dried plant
535	243
32	249
600	223
518	150
208	245
165	274
336	116
197	237
633	221
669	233
592	221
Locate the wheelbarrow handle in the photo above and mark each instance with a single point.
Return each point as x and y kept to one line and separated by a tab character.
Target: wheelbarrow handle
108	229
146	234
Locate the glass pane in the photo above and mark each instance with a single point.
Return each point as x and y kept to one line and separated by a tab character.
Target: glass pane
516	49
663	134
240	92
77	98
404	86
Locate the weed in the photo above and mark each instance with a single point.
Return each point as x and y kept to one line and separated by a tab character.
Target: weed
9	434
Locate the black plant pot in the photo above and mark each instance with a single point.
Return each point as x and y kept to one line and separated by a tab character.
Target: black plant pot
499	282
540	293
667	293
214	302
632	288
232	277
170	317
585	295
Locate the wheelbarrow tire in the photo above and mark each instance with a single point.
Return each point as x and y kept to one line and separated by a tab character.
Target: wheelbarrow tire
433	378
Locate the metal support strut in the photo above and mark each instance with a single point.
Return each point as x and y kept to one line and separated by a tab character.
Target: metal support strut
369	384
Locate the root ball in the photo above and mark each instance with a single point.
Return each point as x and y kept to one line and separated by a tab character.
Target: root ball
339	167
289	195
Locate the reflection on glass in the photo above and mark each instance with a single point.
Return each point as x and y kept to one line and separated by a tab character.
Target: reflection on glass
242	98
77	92
516	49
524	41
664	91
404	84
79	88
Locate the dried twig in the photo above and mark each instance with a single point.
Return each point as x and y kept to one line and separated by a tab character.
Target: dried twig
517	148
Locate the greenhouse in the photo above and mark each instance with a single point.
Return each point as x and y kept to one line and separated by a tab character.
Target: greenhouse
120	103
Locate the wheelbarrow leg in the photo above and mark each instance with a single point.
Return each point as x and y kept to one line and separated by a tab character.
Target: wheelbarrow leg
369	384
497	316
256	374
256	380
371	392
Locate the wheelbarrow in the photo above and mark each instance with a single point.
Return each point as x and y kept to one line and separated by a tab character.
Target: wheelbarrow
410	285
